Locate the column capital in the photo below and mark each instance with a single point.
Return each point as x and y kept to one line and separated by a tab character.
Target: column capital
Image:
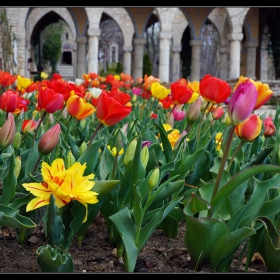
81	39
235	36
127	48
176	49
251	44
93	32
165	35
139	41
195	43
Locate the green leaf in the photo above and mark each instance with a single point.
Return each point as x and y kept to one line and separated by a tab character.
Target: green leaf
200	237
195	204
9	183
227	245
54	223
103	187
159	216
10	217
124	224
50	260
91	157
32	158
167	148
239	178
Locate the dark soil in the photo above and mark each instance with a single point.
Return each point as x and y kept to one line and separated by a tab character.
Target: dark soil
161	254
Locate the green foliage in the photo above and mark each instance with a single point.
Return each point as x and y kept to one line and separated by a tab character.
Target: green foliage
147	65
52	44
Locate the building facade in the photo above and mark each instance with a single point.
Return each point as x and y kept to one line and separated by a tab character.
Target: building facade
242	38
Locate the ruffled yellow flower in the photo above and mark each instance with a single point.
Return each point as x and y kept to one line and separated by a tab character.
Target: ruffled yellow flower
114	150
65	184
44	75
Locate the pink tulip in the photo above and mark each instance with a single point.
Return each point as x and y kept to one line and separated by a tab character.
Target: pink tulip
242	102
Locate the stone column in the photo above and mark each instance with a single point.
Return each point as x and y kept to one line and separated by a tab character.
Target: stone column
251	59
223	73
138	58
93	38
127	59
164	56
195	66
81	56
176	69
235	47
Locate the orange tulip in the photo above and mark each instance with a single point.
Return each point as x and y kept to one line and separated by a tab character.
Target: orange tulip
78	107
250	129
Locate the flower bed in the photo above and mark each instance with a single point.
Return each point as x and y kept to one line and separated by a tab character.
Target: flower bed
146	157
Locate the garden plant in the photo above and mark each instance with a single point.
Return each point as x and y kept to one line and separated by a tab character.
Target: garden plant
145	155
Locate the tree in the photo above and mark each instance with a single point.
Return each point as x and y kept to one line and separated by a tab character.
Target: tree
52	44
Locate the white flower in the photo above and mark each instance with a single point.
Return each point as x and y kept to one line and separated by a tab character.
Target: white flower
95	92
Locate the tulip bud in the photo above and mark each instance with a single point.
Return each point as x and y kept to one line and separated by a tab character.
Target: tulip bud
17	166
70	160
170	120
154	178
269	127
194	111
82	149
144	156
17	140
49	140
7	132
83	123
129	154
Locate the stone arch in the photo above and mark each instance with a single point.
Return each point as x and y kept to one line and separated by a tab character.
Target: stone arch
124	21
37	13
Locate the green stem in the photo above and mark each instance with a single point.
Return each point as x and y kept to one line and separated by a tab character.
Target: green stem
36	164
224	158
234	155
41	120
100	125
115	165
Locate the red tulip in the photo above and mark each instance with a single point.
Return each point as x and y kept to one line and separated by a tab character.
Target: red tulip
50	101
6	79
109	111
213	89
180	93
120	96
249	129
9	101
269	127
